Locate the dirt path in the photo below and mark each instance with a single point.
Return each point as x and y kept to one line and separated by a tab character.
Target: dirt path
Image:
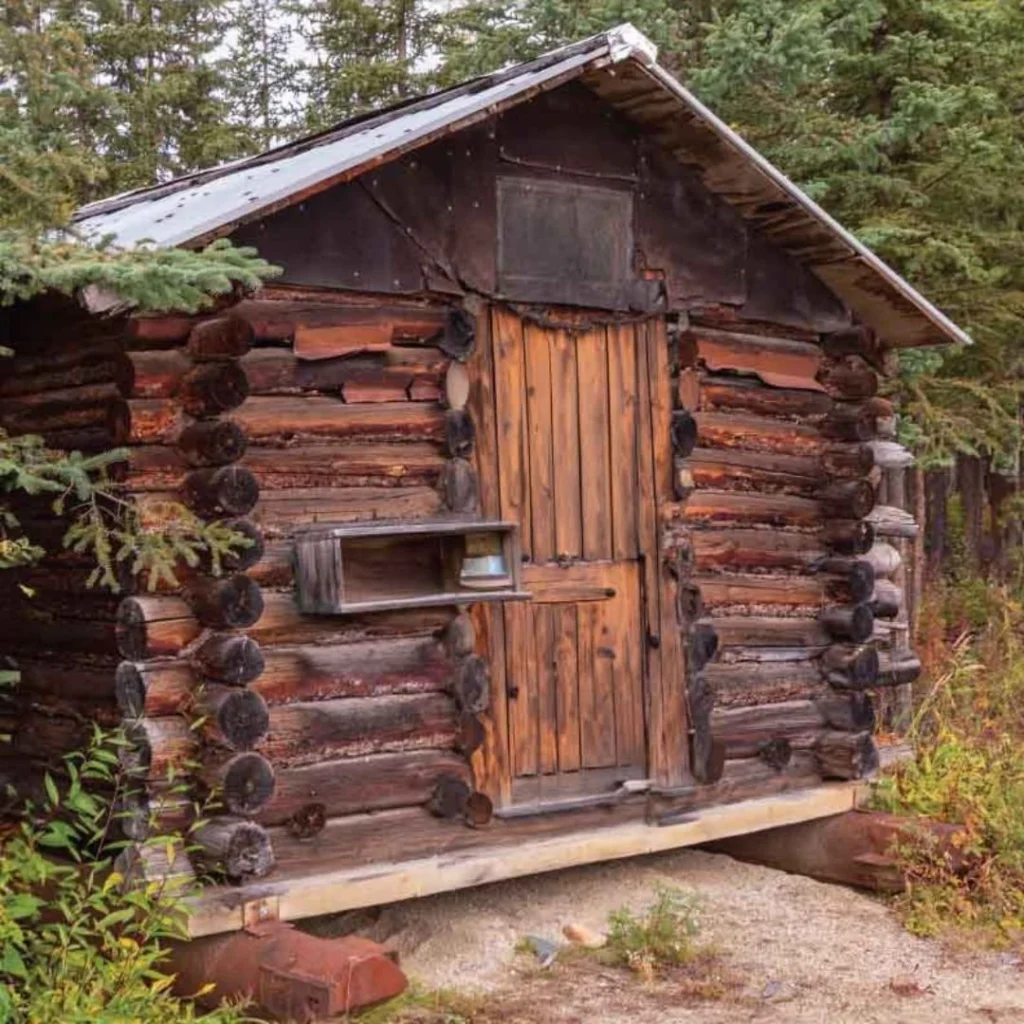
792	951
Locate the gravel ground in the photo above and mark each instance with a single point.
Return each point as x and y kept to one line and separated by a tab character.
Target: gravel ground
791	951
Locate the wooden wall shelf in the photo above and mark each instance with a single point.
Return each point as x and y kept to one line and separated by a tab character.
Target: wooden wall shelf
369	567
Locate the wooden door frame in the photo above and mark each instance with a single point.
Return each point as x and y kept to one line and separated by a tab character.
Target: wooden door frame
665	675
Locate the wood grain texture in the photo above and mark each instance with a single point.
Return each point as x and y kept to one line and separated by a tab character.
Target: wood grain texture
565	428
595	441
622	405
540	458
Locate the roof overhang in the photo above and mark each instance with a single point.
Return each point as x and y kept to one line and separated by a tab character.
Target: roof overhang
621	67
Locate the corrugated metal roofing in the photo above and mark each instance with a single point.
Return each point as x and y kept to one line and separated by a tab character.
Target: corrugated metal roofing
620	66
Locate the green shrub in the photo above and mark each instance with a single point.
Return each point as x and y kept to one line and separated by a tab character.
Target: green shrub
663	937
969	769
78	944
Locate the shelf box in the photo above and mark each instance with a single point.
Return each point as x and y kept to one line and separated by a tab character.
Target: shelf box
345	570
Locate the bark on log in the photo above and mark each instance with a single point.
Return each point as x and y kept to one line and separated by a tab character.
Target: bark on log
153	691
212	444
227	337
460	433
850	423
849	378
241	849
141	814
158	373
741	394
449	797
155	421
75	428
745	508
213	388
745	730
163	330
848	537
747	683
221	492
280	420
164	747
886	600
472	685
849	499
232	602
858	340
343	786
759	433
683	433
765	631
460	637
854	712
701	645
233	717
846	755
359	725
858	575
853	623
227	658
461	491
789	591
849	667
898	669
707	758
774	360
458	338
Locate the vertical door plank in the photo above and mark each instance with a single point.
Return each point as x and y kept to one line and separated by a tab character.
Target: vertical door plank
667	726
623	418
540	455
491	762
597	694
510	395
606	615
565	434
629	725
521	674
546	621
567	697
592	363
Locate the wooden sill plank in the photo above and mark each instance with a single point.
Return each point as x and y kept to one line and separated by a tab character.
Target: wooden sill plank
327	892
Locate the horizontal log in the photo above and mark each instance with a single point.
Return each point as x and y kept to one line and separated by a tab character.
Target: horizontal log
741	394
759	433
272	420
846	755
150	814
213	388
896	669
163	330
683	433
241	784
389	376
353	785
43	404
886	600
848	712
154	627
79	428
223	337
892	522
233	717
701	645
858	575
850	423
241	849
851	499
750	683
276	319
24	367
228	658
740	549
156	420
279	512
39	677
206	444
889	455
764	631
746	730
857	340
164	749
33	632
449	797
230	602
158	373
850	667
220	492
852	622
106	367
777	361
364	669
154	691
849	536
849	378
308	732
747	508
722	591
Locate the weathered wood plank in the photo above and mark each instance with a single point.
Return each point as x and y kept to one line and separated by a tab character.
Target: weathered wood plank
595	455
521	681
567	695
565	428
623	423
546	619
540	464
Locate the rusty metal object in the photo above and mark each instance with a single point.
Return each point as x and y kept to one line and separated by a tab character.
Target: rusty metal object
287	973
856	848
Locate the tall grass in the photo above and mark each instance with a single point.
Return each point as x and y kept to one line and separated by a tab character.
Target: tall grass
968	733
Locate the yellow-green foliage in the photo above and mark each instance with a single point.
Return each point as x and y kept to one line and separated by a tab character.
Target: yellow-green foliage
969	769
663	937
77	945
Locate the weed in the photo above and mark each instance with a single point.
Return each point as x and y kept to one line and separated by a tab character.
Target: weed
418	1005
662	937
969	769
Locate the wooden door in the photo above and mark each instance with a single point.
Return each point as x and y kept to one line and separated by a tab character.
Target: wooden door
570	448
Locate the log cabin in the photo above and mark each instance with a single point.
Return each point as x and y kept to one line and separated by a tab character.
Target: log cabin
561	454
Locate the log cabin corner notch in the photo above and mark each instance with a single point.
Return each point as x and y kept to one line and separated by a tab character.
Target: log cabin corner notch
574	507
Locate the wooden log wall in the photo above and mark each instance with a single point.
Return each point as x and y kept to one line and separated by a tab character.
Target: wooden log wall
305	411
788	565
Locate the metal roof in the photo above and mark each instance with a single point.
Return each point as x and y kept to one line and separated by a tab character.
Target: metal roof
620	66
